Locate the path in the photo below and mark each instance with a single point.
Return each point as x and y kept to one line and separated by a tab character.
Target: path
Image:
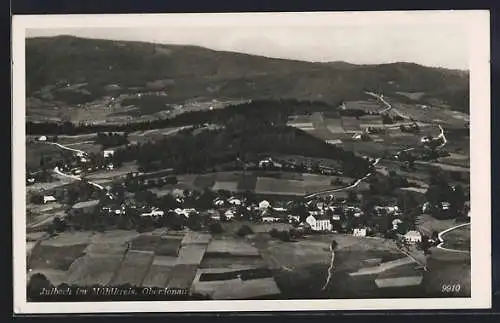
356	183
330	269
67	148
58	172
442	233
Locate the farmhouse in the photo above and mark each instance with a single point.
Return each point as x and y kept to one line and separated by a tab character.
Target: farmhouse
319	222
413	236
229	214
396	223
234	201
359	232
153	213
48	199
219	202
108	153
264	204
386	210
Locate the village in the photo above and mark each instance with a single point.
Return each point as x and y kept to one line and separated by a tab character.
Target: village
129	197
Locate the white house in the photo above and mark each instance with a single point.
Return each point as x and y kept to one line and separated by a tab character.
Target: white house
108	153
445	206
359	232
396	223
319	223
264	204
356	136
48	198
229	214
279	209
426	207
293	218
270	219
234	201
413	236
219	202
156	212
42	138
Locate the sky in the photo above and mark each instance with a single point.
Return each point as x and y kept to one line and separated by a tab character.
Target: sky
441	43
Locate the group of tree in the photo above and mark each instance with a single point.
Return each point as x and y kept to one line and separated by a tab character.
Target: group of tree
111	139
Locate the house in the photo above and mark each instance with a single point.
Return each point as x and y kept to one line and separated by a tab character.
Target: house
413	236
386	210
319	223
293	218
445	206
269	162
153	213
234	201
48	199
42	138
426	140
426	208
30	180
279	209
357	136
270	219
219	202
229	214
264	204
359	232
110	167
396	223
108	153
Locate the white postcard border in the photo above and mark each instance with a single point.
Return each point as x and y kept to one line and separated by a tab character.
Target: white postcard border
477	22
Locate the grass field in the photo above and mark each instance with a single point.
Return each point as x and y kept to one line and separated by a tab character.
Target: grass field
182	276
93	269
157	276
193	237
458	239
134	268
146	242
54	257
447	268
34	151
427	224
168	246
278	186
191	254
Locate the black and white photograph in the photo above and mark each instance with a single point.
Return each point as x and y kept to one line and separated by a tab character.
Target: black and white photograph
237	162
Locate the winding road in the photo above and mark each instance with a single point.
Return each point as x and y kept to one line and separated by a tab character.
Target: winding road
356	183
67	148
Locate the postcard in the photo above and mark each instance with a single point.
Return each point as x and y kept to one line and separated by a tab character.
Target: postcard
251	162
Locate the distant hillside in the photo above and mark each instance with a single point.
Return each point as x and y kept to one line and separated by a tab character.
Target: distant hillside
92	68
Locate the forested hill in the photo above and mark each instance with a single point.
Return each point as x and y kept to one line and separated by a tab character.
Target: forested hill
187	72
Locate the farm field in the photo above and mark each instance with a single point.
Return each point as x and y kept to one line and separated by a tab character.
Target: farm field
458	239
37	149
366	105
108	175
260	182
94	269
134	268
